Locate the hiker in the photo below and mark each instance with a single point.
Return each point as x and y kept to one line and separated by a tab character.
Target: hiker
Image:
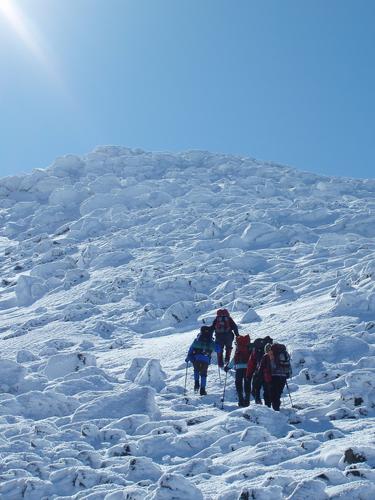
225	329
200	355
276	368
253	373
239	363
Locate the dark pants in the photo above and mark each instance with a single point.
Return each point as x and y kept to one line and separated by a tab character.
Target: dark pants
242	385
257	384
200	370
224	340
267	394
275	390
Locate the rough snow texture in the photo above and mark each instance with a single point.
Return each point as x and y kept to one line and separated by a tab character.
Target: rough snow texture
111	262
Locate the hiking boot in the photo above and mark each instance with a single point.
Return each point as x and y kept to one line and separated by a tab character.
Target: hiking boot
196	386
246	402
258	401
203	392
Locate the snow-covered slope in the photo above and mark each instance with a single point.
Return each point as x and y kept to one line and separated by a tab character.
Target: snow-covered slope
111	262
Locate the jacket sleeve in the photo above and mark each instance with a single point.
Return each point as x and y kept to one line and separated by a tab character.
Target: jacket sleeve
234	326
190	355
251	364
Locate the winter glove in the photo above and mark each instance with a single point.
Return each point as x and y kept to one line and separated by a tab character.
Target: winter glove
187	360
226	368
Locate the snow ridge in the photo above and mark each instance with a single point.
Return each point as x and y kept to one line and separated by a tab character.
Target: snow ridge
112	261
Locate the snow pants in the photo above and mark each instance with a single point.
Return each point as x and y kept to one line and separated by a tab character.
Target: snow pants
200	372
257	386
275	391
223	340
242	385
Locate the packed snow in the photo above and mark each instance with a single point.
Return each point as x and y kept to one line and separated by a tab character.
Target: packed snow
111	263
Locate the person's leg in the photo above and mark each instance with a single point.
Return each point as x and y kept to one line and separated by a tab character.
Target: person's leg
247	387
239	389
196	375
278	384
267	393
219	348
228	346
220	358
203	373
257	384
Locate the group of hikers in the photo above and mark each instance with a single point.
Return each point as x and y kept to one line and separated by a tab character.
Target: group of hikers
260	366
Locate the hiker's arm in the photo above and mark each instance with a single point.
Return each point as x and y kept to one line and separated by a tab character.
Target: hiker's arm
250	367
212	327
229	365
234	327
189	356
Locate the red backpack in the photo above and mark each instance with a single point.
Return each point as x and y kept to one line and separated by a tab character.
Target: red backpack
222	324
243	350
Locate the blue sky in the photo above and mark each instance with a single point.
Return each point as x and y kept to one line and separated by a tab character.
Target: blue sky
290	81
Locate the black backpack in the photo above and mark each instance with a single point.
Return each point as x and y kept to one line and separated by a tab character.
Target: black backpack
259	345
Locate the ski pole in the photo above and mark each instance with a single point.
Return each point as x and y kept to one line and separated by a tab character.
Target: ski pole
218	369
225	384
290	397
187	365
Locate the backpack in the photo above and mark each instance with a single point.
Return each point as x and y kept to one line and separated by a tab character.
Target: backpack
222	324
282	360
205	336
243	345
258	346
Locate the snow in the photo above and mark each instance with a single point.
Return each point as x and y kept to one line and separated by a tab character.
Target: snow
110	264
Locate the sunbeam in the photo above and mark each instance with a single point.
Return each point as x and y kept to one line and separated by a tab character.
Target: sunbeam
29	36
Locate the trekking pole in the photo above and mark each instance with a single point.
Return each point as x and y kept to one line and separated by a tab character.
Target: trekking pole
218	369
186	398
225	385
290	397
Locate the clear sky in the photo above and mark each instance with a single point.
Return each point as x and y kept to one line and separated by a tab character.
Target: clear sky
291	81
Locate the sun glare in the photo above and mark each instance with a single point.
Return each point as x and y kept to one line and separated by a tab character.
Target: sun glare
29	35
19	23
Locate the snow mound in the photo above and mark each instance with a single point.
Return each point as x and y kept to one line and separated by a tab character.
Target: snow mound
128	402
62	364
151	375
250	316
12	375
177	486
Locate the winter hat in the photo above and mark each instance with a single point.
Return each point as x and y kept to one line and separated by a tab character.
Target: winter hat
205	330
222	312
